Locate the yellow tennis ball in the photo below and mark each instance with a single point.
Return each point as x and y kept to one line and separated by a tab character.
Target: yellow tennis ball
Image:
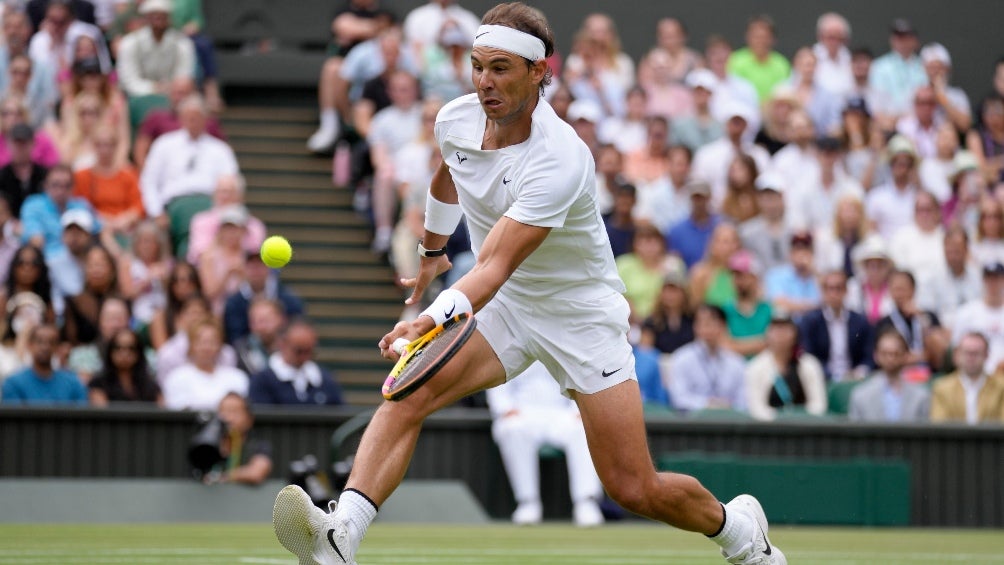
276	251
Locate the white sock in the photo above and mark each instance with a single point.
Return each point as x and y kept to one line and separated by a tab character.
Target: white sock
329	119
359	510
736	532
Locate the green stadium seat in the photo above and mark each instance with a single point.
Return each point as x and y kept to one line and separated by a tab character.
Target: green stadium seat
180	212
719	414
140	106
839	396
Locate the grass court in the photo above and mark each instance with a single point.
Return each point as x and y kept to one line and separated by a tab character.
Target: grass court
395	544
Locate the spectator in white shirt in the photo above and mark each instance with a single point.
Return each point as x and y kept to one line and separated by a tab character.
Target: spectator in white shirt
391	129
960	282
729	88
711	162
54	43
921	126
912	246
154	55
797	159
627	133
953	103
665	202
833	58
875	100
936	171
423	24
814	196
986	316
182	169
783	377
890	206
768	234
202	381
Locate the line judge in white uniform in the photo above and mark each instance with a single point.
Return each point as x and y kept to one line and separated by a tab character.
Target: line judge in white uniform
544	288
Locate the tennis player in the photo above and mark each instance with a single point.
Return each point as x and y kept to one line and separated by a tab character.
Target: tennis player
544	288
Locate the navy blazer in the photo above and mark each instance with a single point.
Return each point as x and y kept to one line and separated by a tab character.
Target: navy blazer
815	339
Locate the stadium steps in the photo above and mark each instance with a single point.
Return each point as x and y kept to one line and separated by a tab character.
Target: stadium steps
350	293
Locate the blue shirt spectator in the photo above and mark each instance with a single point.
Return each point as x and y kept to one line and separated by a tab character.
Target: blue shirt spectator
261	281
690	238
41	214
41	383
792	287
900	71
703	374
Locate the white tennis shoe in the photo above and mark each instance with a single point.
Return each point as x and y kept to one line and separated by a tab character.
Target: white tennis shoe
316	537
759	550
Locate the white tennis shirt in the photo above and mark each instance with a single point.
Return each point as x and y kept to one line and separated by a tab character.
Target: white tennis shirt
546	181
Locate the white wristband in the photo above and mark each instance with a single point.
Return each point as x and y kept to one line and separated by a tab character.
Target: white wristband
441	218
448	304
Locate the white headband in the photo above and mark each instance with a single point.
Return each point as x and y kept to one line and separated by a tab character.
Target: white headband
510	40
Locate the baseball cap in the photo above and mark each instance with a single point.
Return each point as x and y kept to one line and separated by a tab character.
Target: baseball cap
935	52
743	261
455	36
770	181
155	6
857	104
964	161
77	217
736	109
994	269
584	110
21	132
701	78
898	145
675	278
235	214
697	187
902	26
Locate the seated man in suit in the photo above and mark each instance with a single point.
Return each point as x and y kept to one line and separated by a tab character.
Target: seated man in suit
969	394
292	377
840	338
887	396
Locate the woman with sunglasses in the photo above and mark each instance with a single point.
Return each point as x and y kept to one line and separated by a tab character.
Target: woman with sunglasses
125	376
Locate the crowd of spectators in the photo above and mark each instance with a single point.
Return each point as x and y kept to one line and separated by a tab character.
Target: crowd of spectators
129	262
787	224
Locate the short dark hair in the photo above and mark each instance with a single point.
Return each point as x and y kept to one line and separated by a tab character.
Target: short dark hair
862	51
716	312
891	333
905	274
763	19
527	19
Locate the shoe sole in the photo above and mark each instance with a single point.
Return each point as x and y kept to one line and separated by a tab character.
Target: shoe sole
292	523
760	516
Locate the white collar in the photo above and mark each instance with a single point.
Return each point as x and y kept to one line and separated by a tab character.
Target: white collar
309	374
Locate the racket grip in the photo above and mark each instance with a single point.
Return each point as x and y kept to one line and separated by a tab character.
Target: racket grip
399	346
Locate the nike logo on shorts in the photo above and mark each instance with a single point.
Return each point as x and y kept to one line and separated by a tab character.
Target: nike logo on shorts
331	540
606	374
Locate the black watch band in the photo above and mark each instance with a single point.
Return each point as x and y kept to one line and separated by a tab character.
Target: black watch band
423	252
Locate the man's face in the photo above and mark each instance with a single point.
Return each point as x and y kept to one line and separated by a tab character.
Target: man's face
771	204
956	252
718	58
43	344
860	67
890	355
708	328
759	37
403	91
745	283
802	258
735	127
16	31
58	186
902	168
193	120
900	290
833	36
834	291
264	321
234	414
298	346
76	239
970	356
924	104
256	272
20	151
504	83
159	21
679	166
903	43
59	18
993	287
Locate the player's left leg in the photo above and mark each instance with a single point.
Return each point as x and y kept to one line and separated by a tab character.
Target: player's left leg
615	428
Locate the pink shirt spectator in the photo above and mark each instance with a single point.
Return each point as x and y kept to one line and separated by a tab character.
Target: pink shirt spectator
44	153
203	229
160	121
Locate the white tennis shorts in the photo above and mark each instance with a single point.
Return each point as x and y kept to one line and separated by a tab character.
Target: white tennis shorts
583	343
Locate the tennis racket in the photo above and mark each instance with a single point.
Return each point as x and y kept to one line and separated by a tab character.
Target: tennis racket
424	357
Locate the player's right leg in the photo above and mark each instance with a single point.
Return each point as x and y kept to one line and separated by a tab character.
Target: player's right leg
381	461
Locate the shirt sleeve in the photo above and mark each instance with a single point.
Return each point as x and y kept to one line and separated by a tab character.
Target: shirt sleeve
129	75
32	223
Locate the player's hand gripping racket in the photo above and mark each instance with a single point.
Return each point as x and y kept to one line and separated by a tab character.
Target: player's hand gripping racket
422	358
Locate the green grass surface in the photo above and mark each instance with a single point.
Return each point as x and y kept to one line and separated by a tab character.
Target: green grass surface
633	544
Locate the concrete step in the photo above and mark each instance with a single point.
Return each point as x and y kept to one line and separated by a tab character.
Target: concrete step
328	198
291	164
251	147
280	130
344	256
272	180
333	235
348	311
269	114
301	271
343	292
314	216
364	398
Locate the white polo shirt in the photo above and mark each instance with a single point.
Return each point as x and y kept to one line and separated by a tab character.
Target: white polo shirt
546	181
